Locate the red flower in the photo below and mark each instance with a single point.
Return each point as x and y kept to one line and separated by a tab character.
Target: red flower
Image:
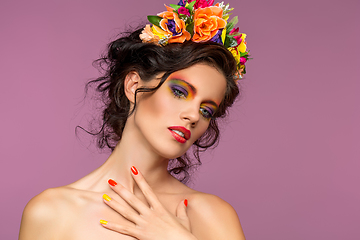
238	38
202	3
184	10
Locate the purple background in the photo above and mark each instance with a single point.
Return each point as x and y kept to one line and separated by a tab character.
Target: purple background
289	157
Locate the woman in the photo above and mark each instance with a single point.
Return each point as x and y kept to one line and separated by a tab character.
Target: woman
163	89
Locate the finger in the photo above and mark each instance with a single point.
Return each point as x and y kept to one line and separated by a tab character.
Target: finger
125	210
128	197
181	209
145	188
126	229
181	213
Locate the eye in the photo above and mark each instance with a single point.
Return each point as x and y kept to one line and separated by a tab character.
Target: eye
206	112
179	92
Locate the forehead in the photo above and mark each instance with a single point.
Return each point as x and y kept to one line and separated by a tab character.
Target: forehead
207	80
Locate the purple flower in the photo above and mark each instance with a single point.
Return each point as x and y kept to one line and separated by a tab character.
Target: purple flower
184	11
172	27
217	37
182	3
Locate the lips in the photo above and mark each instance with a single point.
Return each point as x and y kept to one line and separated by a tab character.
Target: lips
180	133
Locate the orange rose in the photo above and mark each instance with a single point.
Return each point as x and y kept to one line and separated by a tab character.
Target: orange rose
207	22
172	25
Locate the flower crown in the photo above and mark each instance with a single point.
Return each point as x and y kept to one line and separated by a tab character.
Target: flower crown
198	21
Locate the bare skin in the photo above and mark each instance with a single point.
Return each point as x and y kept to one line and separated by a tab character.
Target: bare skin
74	211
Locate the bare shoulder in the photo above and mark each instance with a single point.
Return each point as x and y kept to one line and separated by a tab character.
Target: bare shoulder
41	207
43	212
213	218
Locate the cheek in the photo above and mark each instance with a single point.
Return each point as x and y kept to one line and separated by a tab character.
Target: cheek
200	129
157	104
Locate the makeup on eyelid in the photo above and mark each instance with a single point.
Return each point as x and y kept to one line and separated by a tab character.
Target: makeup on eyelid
208	107
182	89
182	86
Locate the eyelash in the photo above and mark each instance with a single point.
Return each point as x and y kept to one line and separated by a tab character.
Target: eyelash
207	115
178	93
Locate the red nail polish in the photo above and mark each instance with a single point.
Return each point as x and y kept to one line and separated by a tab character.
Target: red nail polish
112	182
186	202
134	170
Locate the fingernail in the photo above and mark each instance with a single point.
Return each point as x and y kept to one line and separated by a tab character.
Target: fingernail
106	197
186	202
112	182
103	222
134	170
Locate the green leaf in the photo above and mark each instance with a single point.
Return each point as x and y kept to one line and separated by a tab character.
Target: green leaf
244	54
176	7
235	34
230	42
191	6
231	24
190	28
226	42
154	20
188	20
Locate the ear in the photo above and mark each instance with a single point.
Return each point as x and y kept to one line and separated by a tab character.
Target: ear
131	83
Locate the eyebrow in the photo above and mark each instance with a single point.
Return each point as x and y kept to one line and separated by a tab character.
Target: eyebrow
194	90
212	103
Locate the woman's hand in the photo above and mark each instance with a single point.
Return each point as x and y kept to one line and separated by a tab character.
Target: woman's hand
144	222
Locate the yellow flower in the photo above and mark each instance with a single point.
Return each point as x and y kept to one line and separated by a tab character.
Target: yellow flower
223	35
159	32
242	45
235	53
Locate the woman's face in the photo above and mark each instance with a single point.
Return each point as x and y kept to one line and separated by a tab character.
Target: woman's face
173	117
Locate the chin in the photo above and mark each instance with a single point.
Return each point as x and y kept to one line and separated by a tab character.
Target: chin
172	151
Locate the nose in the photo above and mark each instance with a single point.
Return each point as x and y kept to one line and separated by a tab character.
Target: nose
191	114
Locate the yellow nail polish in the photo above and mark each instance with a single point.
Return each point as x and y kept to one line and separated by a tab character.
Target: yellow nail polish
106	197
103	222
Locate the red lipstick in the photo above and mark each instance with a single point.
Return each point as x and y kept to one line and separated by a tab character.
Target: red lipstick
180	133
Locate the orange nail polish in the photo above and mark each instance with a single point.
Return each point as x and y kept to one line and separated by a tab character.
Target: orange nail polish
134	170
186	202
112	182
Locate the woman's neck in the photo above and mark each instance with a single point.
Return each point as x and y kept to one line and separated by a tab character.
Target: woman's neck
132	150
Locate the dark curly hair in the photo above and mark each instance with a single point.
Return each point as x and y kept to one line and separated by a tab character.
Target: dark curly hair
129	54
